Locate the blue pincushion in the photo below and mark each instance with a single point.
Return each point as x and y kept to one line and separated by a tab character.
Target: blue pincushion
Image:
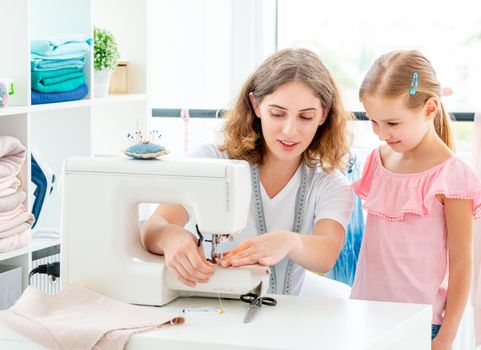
146	150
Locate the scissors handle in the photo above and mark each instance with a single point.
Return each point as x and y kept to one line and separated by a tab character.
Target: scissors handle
248	298
252	298
268	301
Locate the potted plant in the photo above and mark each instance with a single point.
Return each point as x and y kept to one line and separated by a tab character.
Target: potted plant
106	54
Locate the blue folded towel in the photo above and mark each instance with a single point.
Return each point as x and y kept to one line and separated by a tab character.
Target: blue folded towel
52	97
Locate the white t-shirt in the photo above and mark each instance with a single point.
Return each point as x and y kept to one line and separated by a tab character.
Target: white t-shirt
329	197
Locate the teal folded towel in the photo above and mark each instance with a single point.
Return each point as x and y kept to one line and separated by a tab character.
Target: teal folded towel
64	56
42	65
59	80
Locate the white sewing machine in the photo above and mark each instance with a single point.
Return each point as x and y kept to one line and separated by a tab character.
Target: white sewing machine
101	247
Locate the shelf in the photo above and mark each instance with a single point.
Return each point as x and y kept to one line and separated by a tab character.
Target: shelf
65	129
118	98
35	245
42	243
14	253
12	110
111	99
60	105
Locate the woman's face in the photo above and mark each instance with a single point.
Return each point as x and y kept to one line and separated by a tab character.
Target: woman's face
289	118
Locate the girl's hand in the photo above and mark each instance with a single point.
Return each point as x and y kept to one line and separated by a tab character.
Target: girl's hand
266	249
184	259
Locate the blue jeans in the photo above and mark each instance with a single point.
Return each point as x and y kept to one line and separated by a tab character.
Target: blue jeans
434	330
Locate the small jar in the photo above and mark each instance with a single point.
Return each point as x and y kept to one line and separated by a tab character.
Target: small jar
6	89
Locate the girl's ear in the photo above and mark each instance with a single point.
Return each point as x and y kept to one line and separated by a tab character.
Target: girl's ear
431	107
254	105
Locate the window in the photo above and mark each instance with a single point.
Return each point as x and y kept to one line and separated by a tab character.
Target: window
350	35
203	50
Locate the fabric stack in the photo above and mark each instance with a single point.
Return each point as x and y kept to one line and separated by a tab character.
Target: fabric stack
15	220
57	66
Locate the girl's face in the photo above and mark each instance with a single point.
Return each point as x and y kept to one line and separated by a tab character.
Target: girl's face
289	118
400	127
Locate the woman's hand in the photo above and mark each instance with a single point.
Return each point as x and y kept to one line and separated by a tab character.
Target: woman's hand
266	249
184	259
439	344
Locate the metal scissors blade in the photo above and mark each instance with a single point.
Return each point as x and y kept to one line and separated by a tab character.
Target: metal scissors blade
251	312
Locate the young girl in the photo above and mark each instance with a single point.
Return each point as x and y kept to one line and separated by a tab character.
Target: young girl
420	198
289	124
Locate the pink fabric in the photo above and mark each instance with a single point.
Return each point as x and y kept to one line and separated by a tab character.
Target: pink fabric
78	319
14	186
12	156
11	202
404	254
12	182
8	215
14	230
23	218
14	242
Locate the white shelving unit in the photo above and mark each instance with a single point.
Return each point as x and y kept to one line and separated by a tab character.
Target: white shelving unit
85	127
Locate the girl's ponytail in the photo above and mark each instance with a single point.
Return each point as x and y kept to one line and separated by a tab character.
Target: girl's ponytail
442	126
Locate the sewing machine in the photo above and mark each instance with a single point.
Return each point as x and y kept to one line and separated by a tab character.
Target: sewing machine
101	246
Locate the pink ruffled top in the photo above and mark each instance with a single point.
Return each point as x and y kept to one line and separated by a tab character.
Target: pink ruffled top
404	252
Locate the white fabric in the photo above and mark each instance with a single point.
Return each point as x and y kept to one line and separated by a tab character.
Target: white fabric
329	197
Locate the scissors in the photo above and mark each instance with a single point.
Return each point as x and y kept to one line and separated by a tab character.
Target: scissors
255	302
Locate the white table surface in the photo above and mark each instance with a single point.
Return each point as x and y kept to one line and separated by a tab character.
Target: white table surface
294	323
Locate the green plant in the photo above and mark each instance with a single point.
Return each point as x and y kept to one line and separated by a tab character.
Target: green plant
106	52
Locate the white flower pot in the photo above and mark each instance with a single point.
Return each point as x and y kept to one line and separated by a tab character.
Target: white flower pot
102	82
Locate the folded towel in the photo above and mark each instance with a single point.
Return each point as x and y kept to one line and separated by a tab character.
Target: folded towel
14	186
13	182
65	56
14	230
45	66
14	242
25	217
77	49
77	318
12	201
58	80
52	97
60	43
12	156
8	215
7	178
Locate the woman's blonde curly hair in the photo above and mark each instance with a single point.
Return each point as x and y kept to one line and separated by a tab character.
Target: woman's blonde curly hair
243	137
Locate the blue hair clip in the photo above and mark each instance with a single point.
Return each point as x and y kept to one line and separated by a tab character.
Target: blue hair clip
414	84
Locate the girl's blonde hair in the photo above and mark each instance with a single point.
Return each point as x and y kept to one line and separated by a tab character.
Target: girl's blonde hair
243	137
391	76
